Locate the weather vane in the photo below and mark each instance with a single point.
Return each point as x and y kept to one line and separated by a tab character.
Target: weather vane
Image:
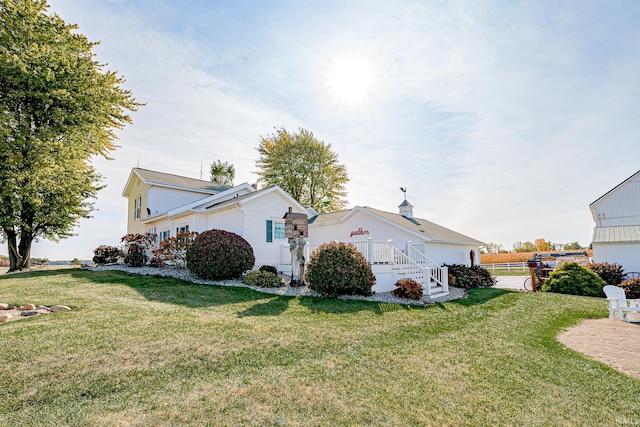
404	190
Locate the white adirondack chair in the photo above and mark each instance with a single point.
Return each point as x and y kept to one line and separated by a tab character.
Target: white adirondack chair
620	307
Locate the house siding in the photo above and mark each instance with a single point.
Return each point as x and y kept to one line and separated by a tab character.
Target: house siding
138	189
621	206
163	199
365	226
271	206
625	254
229	220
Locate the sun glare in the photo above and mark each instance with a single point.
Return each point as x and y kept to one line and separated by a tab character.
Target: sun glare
351	79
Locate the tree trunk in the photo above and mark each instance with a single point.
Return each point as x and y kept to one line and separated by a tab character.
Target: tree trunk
14	257
297	261
19	253
24	250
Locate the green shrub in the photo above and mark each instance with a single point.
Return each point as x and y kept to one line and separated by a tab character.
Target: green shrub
104	254
631	288
269	268
339	269
219	254
466	277
407	288
573	279
610	273
135	256
263	279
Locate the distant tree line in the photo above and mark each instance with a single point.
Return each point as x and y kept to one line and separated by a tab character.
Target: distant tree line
539	245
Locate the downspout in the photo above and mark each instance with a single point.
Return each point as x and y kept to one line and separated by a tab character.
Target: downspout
237	205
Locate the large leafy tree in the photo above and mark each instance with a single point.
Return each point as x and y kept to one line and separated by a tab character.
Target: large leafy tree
58	109
223	173
304	167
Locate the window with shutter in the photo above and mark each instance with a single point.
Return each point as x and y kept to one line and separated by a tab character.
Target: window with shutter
269	230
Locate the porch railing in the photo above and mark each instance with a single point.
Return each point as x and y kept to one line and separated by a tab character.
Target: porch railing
440	275
413	264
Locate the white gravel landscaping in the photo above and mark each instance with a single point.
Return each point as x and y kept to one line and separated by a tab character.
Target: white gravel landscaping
185	274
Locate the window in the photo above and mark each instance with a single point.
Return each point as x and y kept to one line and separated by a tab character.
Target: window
182	229
164	235
137	208
278	230
275	230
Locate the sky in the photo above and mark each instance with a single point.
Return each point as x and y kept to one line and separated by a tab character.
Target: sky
503	119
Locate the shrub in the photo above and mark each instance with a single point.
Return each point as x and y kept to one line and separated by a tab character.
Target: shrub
573	279
156	262
466	277
136	248
631	288
264	279
219	254
269	268
104	254
135	256
339	269
610	273
407	288
173	251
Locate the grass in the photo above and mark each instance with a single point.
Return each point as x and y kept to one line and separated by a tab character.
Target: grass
154	351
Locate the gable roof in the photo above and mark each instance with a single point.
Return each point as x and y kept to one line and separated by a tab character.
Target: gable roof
250	196
169	180
420	227
224	199
591	205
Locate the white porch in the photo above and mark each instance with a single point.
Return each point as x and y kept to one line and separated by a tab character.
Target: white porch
390	264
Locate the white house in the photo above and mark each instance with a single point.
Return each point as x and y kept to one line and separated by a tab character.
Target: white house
165	204
397	245
616	235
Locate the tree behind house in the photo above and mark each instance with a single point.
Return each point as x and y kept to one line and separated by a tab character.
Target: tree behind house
58	109
304	167
223	173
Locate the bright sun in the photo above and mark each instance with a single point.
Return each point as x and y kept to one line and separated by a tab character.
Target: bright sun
351	79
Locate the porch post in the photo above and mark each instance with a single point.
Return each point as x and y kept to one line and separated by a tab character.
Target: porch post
426	281
370	250
445	278
390	251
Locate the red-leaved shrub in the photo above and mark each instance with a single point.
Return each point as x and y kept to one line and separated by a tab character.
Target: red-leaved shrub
339	269
219	254
408	288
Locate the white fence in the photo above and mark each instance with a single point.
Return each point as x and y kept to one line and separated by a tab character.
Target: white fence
509	266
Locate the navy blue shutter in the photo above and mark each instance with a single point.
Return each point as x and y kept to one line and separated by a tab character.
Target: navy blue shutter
269	230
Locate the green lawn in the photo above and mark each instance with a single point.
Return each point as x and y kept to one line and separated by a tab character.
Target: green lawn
153	351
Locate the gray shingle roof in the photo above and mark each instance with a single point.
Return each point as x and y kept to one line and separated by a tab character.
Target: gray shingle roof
428	229
154	177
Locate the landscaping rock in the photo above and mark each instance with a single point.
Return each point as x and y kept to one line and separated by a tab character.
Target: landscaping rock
4	306
5	317
11	307
42	307
28	307
27	313
57	308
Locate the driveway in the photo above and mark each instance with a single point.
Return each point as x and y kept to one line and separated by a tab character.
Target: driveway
510	282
